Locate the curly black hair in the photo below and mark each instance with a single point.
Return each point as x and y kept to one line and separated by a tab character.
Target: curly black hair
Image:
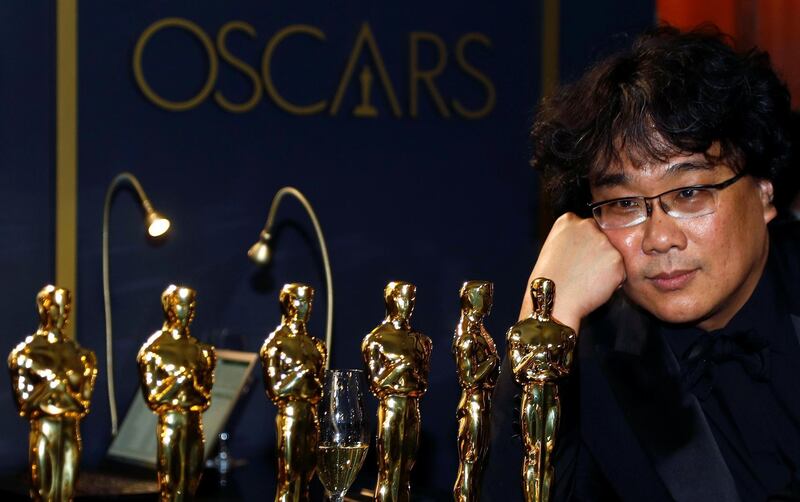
670	93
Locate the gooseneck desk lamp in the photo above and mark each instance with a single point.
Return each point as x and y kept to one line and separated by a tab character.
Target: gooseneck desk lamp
157	226
261	254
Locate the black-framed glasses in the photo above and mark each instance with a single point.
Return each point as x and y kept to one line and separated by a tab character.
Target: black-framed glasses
685	202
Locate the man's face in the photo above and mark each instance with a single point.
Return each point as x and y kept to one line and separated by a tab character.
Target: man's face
699	270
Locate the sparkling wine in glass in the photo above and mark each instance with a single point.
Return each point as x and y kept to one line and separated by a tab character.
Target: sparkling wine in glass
343	431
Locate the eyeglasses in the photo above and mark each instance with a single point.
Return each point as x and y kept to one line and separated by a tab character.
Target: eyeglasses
685	202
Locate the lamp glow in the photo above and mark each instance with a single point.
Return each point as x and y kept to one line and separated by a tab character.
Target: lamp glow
157	225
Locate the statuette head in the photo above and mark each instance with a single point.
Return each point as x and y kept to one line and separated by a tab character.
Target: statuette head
543	293
399	298
179	304
476	297
54	305
296	300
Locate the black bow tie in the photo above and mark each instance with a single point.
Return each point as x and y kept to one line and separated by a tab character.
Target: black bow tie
699	362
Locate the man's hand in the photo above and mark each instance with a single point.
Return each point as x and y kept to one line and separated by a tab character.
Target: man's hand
585	267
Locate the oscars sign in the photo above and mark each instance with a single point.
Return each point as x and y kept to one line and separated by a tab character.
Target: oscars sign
370	77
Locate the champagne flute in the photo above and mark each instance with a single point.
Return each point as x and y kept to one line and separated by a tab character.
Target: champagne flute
343	432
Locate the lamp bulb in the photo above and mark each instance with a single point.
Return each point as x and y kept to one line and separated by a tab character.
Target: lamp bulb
157	225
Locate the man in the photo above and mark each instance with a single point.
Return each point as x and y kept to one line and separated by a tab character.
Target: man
686	376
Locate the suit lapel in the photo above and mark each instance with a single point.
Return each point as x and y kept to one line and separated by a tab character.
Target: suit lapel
665	424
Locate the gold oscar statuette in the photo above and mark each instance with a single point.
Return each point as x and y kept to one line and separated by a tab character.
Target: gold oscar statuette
540	349
397	359
294	370
52	379
176	372
478	367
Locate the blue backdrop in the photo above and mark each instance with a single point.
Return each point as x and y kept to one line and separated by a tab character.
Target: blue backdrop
433	189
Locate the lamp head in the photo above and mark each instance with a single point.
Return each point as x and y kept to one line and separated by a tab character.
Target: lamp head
157	225
260	252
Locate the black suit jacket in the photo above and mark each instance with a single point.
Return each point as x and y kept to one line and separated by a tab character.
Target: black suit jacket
628	431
